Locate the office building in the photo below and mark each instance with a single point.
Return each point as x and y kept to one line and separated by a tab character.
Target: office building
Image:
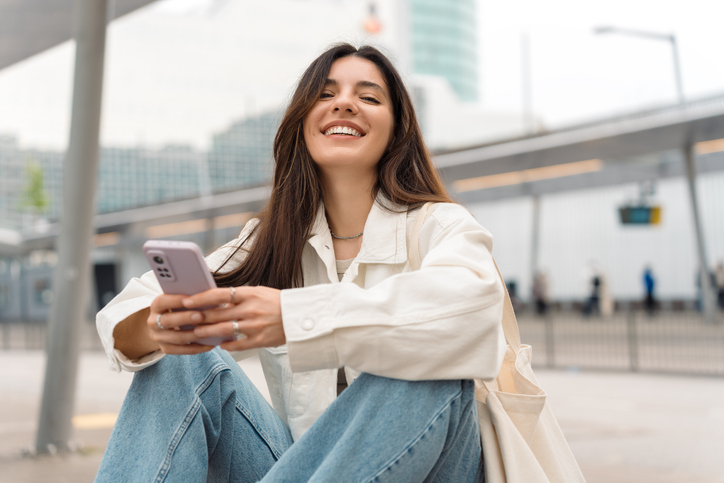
444	43
242	155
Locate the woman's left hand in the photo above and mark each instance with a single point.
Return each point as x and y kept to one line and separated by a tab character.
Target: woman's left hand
257	310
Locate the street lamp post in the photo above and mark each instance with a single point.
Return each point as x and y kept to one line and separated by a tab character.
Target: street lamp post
671	38
709	307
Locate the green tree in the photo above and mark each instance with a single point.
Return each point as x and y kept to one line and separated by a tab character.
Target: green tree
34	197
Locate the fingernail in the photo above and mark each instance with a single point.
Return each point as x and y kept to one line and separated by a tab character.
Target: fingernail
197	317
187	303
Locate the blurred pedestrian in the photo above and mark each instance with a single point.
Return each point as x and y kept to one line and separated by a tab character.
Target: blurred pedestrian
649	285
604	293
593	304
719	276
540	293
512	287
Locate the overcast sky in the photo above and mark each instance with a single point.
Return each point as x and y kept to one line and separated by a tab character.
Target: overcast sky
577	74
180	71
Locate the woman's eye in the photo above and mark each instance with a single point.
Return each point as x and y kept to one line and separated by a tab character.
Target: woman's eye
371	99
325	95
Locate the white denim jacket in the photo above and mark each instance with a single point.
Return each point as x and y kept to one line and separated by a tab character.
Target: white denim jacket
440	322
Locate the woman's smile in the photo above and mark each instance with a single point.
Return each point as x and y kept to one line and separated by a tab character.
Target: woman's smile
343	128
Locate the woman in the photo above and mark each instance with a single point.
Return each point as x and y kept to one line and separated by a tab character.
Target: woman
321	280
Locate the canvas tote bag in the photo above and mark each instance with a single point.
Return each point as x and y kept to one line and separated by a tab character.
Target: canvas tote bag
522	441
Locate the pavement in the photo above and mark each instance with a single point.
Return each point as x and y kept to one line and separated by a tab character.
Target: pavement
622	427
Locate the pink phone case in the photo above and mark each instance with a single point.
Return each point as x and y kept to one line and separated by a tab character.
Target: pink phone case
181	269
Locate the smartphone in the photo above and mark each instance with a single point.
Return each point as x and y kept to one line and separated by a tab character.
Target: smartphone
181	270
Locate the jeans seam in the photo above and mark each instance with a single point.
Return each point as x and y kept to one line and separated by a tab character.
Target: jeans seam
429	425
463	411
260	431
190	415
213	372
249	417
178	434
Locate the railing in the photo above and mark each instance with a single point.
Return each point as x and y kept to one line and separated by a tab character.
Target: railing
32	336
669	342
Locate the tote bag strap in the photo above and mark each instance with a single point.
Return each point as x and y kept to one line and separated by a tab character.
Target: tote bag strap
510	324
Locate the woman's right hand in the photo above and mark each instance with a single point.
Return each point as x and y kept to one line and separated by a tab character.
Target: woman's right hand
171	339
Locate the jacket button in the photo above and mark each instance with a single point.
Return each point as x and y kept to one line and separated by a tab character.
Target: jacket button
307	324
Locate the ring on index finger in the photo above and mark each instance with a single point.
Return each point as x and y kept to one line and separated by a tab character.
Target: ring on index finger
158	322
231	294
238	335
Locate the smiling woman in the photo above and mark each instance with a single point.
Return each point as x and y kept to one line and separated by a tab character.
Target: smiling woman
324	278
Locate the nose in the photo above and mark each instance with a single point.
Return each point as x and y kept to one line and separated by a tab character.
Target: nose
345	102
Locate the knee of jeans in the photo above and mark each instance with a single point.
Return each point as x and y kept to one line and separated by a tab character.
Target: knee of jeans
446	389
184	370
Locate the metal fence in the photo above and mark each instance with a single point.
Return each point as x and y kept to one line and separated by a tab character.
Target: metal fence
669	342
32	336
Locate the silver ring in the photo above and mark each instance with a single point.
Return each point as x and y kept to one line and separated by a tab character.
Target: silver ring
238	335
231	295
158	322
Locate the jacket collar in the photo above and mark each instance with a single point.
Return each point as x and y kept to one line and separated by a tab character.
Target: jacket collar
384	234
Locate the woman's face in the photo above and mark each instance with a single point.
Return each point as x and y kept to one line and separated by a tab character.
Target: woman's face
352	122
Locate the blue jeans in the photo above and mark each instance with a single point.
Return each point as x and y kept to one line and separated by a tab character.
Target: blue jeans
199	418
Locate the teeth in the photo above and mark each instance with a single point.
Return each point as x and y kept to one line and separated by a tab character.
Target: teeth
342	130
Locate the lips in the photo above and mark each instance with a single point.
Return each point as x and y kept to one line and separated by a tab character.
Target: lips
343	127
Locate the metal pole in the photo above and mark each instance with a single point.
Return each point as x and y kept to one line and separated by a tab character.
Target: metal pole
72	274
655	36
705	282
534	244
677	69
528	122
550	342
633	341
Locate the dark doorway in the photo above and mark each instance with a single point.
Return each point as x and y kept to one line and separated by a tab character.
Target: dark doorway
105	280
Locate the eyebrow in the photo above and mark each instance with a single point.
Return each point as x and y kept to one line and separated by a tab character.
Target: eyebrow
362	83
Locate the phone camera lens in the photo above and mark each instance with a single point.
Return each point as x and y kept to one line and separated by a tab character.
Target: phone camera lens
158	260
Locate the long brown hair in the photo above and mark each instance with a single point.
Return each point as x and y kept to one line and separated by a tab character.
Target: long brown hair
405	176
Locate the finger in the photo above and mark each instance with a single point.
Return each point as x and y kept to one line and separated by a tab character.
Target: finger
175	337
223	329
166	302
186	349
172	320
240	345
258	335
216	296
224	314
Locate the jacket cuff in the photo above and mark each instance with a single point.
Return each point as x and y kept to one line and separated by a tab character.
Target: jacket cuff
135	365
307	318
106	321
313	355
306	312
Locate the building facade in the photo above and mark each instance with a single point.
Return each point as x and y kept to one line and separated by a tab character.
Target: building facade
444	43
240	156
